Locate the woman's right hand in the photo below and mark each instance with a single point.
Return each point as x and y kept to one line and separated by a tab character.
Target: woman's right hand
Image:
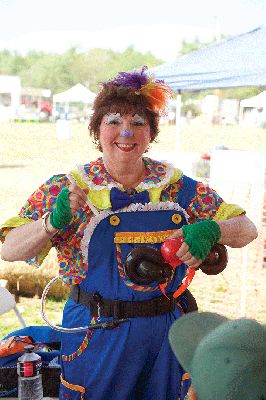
77	198
27	241
68	202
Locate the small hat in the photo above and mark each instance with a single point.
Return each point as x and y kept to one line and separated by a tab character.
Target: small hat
226	358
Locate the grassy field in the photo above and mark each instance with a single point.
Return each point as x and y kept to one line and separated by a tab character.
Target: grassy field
31	153
30	310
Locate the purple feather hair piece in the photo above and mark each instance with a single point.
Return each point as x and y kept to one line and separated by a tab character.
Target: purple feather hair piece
132	80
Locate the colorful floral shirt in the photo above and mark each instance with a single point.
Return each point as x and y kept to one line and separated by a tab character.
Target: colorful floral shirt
162	180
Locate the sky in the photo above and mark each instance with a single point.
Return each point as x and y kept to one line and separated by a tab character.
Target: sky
149	25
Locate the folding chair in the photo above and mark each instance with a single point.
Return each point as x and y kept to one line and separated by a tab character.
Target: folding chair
7	303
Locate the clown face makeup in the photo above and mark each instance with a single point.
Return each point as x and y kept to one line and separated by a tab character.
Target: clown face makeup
117	119
113	118
124	137
126	133
138	120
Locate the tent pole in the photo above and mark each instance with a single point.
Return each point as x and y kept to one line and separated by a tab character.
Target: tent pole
178	118
240	115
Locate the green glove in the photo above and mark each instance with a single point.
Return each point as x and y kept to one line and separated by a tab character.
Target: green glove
200	237
61	216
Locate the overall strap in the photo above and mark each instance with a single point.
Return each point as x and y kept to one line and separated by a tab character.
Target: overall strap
187	191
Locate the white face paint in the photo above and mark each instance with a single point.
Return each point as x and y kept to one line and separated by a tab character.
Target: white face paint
113	119
138	120
117	119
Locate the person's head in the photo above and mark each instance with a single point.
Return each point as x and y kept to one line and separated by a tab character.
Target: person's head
226	358
127	110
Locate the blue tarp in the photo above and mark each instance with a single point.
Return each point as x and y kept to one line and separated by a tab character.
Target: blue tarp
233	62
40	334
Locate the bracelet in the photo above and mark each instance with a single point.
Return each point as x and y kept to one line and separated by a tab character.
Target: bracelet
44	223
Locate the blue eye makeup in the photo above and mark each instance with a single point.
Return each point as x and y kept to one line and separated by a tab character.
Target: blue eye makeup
113	119
138	120
117	119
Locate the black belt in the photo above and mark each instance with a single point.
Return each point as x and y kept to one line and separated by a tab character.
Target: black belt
100	307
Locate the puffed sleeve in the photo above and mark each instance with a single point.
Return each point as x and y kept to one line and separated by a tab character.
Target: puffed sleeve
207	204
41	201
199	200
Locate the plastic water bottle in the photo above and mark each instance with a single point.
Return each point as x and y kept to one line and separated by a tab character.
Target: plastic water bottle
29	375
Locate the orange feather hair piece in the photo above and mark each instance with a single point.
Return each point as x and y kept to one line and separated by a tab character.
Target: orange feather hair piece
157	94
156	91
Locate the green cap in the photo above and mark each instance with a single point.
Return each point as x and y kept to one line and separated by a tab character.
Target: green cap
226	358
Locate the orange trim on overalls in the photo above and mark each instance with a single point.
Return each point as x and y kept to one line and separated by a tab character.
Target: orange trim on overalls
185	376
75	388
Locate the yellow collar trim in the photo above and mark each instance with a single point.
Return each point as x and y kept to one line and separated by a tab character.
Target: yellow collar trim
101	198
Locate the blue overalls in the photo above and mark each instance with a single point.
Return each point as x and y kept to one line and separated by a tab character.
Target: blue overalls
133	361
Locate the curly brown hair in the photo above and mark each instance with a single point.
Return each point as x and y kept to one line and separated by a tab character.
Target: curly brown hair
120	99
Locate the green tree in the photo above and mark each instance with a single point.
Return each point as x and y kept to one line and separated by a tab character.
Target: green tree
240	93
59	72
11	63
196	44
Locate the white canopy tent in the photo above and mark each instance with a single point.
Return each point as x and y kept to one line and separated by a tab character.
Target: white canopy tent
10	92
233	62
76	94
253	110
258	101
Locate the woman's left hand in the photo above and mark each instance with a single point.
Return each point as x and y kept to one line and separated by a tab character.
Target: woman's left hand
183	252
198	241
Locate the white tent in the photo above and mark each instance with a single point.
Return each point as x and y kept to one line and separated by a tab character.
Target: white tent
258	101
76	94
252	111
236	61
10	92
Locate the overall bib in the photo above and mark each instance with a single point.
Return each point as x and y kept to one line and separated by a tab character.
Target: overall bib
133	361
